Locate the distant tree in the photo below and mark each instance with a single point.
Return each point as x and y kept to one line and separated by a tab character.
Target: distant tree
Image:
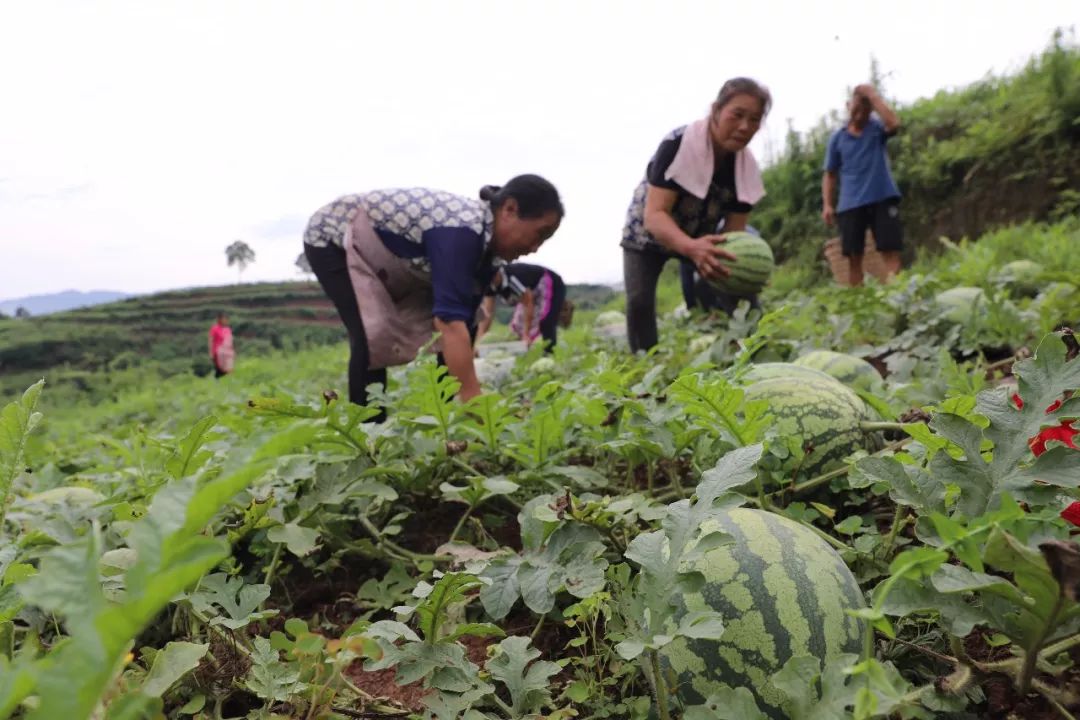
21	312
303	264
241	255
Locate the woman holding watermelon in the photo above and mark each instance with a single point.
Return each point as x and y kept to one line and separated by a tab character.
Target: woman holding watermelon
701	174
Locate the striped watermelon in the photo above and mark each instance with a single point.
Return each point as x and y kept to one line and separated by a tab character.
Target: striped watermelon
1022	276
825	415
770	370
783	592
753	265
961	304
848	369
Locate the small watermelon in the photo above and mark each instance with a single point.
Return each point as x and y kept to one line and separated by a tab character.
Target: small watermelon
701	343
848	369
753	265
961	304
609	318
825	416
543	365
782	591
1022	276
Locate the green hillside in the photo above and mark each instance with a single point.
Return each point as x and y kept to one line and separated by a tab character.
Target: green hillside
168	331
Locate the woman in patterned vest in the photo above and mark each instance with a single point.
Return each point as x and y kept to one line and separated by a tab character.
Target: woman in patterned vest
700	174
402	264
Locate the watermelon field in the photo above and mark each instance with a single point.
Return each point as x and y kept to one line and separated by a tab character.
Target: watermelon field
855	503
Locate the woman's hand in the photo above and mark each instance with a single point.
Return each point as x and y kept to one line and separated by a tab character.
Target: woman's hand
707	255
458	352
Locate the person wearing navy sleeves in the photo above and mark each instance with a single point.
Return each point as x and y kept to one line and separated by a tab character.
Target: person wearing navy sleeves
869	197
402	264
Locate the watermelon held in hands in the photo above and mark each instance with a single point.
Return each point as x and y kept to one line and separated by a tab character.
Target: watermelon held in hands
753	265
782	592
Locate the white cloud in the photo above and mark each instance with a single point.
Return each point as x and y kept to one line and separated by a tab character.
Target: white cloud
139	139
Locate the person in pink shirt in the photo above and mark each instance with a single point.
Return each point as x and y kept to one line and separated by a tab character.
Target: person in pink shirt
221	346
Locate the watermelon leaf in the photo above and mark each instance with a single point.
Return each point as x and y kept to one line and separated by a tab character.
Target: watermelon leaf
1010	466
727	704
527	679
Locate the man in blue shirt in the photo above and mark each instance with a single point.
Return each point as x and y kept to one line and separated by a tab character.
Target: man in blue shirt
869	197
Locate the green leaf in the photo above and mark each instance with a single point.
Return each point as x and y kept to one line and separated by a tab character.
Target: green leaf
630	649
535	580
17	420
240	602
440	665
189	456
526	679
449	589
702	625
474	630
799	680
735	469
727	704
498	597
269	678
956	579
134	706
578	691
454	705
1010	467
170	664
909	596
299	539
908	485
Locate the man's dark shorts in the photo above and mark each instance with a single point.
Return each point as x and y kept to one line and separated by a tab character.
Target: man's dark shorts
882	218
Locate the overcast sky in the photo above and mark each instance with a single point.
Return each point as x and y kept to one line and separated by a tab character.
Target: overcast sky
138	139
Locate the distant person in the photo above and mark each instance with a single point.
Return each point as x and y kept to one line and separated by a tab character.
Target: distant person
869	197
700	174
222	353
400	265
699	293
539	299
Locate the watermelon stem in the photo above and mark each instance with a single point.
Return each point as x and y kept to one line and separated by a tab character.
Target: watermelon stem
899	520
1031	656
839	472
659	686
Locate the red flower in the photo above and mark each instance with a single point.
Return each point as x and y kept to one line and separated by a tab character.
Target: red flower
1063	433
1072	513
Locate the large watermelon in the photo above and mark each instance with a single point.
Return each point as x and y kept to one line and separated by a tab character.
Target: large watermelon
825	416
783	592
770	370
752	267
961	304
848	369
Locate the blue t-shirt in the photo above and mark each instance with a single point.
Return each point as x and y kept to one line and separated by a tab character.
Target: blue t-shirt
445	235
863	166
